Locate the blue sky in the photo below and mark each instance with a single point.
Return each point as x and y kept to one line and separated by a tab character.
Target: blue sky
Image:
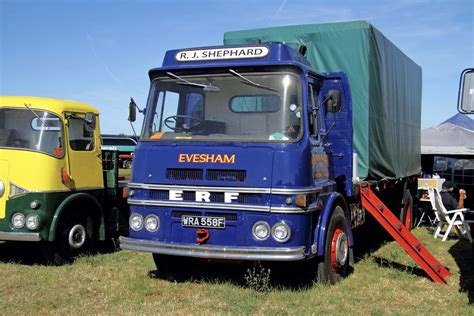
99	51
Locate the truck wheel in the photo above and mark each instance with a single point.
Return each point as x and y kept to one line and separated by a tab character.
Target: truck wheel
406	214
74	236
128	164
335	264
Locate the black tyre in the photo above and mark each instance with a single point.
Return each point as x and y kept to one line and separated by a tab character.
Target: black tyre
74	236
335	264
406	213
128	164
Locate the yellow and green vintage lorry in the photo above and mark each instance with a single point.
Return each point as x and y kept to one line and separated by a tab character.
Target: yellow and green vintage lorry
57	187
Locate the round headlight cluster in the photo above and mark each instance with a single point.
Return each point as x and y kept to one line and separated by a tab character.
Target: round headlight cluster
32	221
280	231
136	222
18	220
152	223
261	230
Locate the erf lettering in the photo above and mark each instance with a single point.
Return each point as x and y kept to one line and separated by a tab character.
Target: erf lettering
202	196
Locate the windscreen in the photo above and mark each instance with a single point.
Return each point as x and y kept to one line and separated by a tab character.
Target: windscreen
34	130
230	106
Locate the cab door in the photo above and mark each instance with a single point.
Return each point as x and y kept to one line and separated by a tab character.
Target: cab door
84	153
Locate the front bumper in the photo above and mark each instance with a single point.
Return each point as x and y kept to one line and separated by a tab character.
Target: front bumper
19	236
214	251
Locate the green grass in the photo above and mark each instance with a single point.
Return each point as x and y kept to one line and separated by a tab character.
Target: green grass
126	173
384	281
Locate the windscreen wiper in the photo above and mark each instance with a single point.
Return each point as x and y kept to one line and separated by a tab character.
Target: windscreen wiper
37	116
209	88
247	80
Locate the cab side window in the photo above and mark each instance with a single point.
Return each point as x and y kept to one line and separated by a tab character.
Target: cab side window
79	138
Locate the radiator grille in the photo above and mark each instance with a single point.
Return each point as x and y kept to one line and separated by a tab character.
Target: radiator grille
226	175
181	213
227	216
184	174
159	195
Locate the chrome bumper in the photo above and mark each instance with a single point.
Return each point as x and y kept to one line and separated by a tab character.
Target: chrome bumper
215	252
20	236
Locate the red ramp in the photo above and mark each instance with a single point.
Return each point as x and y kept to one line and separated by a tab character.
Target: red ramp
402	235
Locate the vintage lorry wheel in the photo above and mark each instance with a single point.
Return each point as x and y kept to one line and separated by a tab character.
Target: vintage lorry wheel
335	264
75	236
406	213
128	164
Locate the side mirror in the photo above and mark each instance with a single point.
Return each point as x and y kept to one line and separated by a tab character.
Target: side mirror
466	92
132	111
90	122
333	101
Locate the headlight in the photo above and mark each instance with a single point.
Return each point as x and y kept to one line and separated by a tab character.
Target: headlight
35	205
152	223
18	220
281	232
32	221
261	230
131	193
2	188
136	222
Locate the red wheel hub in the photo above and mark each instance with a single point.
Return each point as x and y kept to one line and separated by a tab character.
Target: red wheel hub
339	249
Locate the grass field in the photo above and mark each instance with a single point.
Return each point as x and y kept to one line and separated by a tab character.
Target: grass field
384	281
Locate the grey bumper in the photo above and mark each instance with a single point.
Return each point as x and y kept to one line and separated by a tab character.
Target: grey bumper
215	252
20	236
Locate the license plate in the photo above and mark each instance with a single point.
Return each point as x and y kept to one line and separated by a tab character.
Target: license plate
203	221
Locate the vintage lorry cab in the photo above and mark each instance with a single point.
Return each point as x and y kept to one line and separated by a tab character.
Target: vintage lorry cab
52	188
233	158
249	152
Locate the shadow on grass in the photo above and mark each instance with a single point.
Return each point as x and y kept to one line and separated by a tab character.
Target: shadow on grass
369	239
385	263
23	253
262	277
30	253
463	254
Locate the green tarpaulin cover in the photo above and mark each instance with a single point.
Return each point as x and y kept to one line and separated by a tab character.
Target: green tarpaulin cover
385	86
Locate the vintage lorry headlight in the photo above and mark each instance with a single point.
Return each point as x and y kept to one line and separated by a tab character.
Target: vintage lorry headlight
32	221
281	232
261	230
136	222
18	220
152	223
35	204
2	188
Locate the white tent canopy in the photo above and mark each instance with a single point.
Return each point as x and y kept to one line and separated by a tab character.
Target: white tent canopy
454	136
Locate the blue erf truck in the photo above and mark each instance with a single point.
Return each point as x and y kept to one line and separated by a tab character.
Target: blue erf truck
255	150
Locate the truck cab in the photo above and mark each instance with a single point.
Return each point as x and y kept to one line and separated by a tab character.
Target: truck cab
240	158
51	175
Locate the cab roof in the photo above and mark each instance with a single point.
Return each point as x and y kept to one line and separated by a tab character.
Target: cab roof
53	105
225	56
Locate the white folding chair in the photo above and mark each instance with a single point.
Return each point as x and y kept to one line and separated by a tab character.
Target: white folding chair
453	218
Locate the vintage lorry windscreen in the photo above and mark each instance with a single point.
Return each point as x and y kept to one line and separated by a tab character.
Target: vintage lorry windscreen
229	106
34	130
